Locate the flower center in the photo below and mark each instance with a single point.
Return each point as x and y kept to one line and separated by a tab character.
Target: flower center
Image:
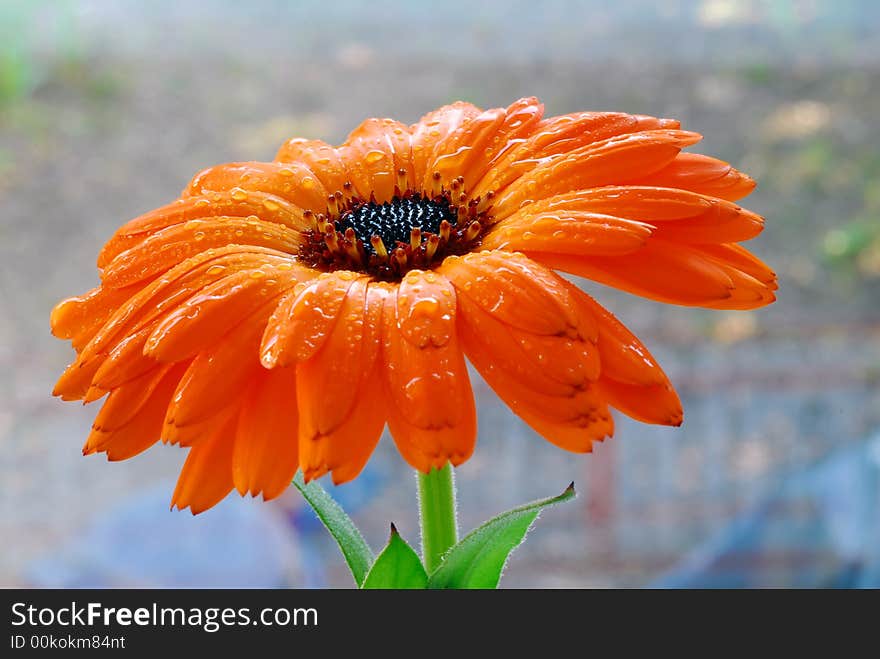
414	229
393	222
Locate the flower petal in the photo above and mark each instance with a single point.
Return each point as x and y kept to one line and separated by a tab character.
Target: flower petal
631	380
217	378
557	136
622	356
217	207
206	477
520	120
672	273
517	291
702	174
149	305
605	162
130	420
80	318
266	454
373	154
291	181
168	247
322	158
568	232
303	321
341	411
674	215
203	319
568	417
658	404
432	130
431	411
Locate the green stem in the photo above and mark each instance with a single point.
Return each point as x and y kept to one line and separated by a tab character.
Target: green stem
437	514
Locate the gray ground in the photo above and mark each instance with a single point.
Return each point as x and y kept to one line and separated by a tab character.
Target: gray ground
108	108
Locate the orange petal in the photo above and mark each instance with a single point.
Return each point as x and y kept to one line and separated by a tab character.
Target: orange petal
341	411
676	215
207	316
168	247
568	232
76	379
322	158
660	271
206	477
454	154
125	361
373	154
164	294
605	162
656	403
698	173
517	291
560	135
217	378
520	119
301	323
556	365
431	410
571	419
622	356
265	457
130	420
219	206
432	129
291	181
79	318
690	275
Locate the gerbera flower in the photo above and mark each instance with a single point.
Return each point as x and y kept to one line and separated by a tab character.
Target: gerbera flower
278	315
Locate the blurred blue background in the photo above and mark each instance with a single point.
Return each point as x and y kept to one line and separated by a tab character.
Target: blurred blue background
107	108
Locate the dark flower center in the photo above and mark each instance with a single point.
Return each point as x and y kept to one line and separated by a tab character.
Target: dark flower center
394	220
414	229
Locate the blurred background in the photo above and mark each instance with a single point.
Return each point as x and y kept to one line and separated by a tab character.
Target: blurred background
107	108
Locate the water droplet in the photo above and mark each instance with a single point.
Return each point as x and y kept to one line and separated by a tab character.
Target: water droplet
286	172
257	274
199	235
374	156
271	205
308	183
215	269
238	194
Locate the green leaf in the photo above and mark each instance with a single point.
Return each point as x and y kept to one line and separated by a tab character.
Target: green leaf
398	566
478	560
354	548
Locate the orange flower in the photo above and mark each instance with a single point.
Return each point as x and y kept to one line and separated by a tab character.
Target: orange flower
279	314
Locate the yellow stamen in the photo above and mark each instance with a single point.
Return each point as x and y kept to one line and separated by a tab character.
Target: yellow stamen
445	230
432	245
379	246
472	231
400	257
